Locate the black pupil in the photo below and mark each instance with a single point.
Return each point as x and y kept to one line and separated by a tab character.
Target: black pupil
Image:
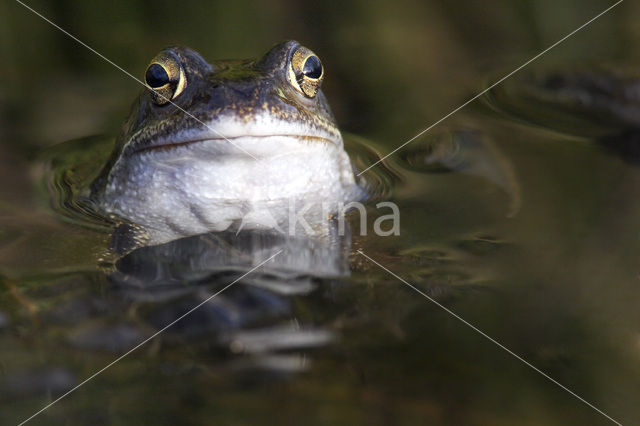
156	76
312	67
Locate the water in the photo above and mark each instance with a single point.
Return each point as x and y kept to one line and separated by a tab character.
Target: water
539	257
520	214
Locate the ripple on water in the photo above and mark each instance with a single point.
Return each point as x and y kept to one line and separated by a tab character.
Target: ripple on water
600	105
379	181
582	102
464	151
69	169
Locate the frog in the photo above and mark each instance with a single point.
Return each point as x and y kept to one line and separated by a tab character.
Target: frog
228	144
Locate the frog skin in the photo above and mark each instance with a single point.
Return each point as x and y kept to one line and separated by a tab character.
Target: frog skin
208	147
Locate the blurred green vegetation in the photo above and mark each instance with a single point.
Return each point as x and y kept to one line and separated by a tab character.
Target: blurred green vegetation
393	68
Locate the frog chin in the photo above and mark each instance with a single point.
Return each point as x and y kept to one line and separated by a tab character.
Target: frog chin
210	184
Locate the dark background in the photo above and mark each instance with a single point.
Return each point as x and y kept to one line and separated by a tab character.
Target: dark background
392	68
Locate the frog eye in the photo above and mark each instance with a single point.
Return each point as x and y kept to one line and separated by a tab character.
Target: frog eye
305	72
165	77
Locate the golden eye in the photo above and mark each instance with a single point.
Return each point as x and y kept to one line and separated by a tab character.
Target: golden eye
165	77
305	72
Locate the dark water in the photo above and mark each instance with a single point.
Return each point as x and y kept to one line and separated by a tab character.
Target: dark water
520	214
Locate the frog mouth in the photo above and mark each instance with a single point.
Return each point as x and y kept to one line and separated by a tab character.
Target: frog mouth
168	146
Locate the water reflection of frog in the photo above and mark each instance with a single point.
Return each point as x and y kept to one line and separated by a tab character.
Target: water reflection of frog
255	317
185	167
